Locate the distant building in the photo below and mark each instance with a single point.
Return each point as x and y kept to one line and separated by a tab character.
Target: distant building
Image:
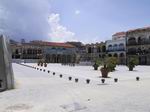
23	41
95	51
117	47
122	46
52	52
138	43
80	51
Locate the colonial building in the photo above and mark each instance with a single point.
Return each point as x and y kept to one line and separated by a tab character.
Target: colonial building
80	51
138	43
117	47
95	51
26	51
52	52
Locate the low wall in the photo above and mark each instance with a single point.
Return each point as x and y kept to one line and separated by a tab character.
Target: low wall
25	60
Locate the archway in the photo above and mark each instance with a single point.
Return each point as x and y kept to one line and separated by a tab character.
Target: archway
98	49
89	50
116	55
121	55
122	59
110	48
109	55
121	46
132	51
103	48
115	47
132	41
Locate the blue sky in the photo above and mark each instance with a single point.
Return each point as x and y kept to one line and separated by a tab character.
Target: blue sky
66	20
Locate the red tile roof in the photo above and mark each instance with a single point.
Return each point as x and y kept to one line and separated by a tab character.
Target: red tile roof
119	34
138	29
55	44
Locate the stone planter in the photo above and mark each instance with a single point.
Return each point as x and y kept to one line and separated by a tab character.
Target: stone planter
115	80
61	75
104	72
95	66
76	80
103	80
137	78
45	65
88	81
130	68
70	78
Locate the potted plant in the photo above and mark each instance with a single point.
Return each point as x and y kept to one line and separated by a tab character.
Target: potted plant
132	62
38	64
88	81
76	80
45	64
104	71
116	80
103	80
41	63
95	66
137	78
70	78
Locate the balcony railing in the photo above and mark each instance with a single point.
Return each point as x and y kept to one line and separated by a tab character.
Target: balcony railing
138	52
114	50
138	43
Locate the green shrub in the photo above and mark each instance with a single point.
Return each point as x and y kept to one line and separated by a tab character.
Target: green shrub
97	63
111	63
95	66
132	62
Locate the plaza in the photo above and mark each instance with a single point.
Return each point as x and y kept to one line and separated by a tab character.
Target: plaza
38	91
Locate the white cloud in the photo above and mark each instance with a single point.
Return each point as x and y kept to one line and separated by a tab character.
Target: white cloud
77	12
25	19
88	39
58	32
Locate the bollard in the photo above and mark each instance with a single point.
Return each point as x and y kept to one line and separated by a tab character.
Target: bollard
76	80
44	70
53	73
137	78
61	75
103	80
48	71
37	68
88	81
116	80
70	78
40	69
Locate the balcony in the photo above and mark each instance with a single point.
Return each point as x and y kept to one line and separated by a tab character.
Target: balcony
133	43
116	49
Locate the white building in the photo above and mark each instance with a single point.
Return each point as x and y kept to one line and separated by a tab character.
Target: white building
117	47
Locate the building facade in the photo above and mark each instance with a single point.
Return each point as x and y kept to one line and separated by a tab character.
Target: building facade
80	51
122	46
138	43
49	51
117	47
95	51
